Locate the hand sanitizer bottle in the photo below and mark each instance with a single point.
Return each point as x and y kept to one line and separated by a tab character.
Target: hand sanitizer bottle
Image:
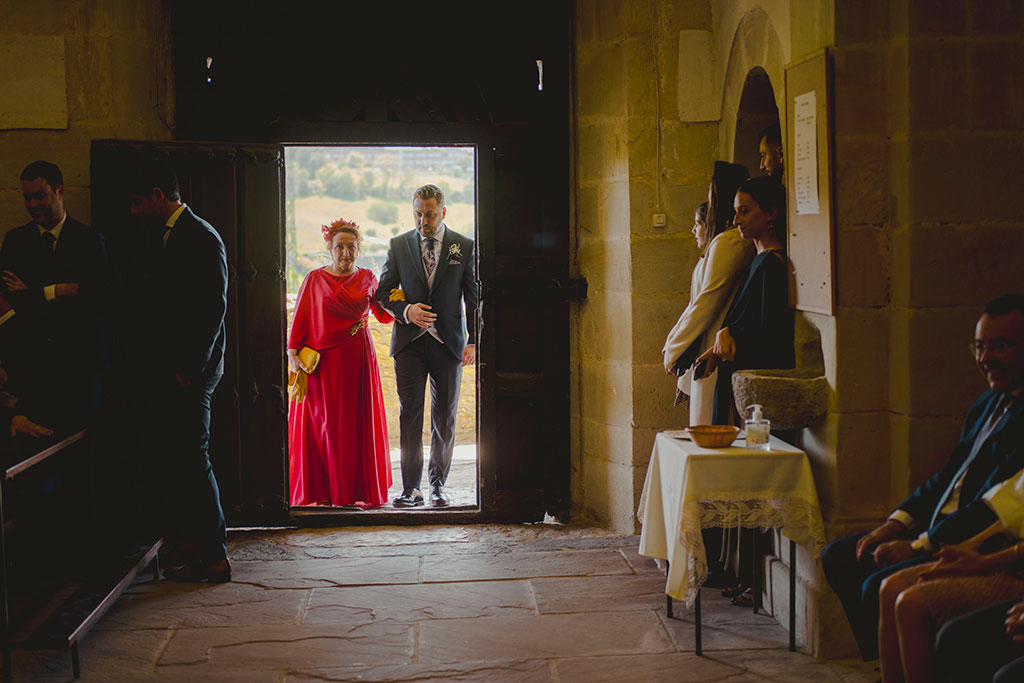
757	429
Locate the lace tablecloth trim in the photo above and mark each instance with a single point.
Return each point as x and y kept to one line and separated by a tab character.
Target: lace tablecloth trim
797	518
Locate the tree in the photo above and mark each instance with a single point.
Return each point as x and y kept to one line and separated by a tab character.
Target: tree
383	213
356	161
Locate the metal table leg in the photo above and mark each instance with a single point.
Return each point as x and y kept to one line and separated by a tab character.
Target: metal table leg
755	582
792	596
668	598
696	619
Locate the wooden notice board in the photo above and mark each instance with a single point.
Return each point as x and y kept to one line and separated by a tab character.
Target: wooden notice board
808	159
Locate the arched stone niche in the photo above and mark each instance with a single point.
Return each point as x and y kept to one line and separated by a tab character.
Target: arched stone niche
755	50
756	111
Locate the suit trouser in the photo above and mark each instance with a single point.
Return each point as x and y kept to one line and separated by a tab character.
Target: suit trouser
422	358
975	647
856	584
191	508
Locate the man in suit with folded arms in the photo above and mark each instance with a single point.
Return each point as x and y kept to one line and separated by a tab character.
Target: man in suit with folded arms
948	507
187	290
428	278
52	269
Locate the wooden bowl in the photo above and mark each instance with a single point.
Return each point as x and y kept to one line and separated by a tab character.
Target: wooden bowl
713	436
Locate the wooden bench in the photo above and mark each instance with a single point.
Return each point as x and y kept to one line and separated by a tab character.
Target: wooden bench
61	614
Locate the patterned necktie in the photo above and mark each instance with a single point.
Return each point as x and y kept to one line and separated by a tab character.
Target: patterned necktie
430	259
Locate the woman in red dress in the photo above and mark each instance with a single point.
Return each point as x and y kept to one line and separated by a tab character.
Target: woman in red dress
337	432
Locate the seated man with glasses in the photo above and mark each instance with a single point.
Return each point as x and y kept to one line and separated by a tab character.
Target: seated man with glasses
948	507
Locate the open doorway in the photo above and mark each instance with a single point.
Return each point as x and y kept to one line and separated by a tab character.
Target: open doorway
373	186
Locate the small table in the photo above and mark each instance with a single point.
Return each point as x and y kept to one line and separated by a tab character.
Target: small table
689	488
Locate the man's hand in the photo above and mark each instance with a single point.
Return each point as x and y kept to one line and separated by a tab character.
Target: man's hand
469	355
13	282
892	552
421	315
1015	622
22	425
725	345
65	290
887	532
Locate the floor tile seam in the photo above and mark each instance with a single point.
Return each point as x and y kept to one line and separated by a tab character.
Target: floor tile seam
533	596
161	650
300	618
523	578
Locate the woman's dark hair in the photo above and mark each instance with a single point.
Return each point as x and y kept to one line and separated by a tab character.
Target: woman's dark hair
702	211
769	194
724	181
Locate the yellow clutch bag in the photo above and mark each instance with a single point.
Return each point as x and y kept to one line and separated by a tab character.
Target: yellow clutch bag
297	380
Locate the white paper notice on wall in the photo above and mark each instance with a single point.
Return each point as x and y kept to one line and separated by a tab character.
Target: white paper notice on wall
805	153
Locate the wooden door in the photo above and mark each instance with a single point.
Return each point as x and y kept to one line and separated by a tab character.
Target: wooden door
239	189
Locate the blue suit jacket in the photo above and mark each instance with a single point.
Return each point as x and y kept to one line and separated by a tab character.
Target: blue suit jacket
454	283
1000	457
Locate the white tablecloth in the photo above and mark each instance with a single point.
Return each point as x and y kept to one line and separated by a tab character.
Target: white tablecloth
689	488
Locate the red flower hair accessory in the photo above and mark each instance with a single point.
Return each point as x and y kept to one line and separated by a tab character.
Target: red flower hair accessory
337	226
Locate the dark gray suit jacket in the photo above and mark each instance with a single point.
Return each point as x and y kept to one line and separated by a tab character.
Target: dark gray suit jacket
454	283
190	285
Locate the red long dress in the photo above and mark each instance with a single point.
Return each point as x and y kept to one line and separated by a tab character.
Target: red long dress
338	435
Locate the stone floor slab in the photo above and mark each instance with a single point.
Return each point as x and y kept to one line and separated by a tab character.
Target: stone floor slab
245	648
533	671
739	635
165	604
781	666
556	635
325	573
641	564
598	594
676	667
105	656
419	601
518	565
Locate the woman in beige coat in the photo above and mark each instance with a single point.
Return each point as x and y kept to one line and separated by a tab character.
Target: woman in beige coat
724	257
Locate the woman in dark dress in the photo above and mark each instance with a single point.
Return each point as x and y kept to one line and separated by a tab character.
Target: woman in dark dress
757	332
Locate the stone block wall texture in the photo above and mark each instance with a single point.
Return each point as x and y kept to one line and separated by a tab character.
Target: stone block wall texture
118	83
634	157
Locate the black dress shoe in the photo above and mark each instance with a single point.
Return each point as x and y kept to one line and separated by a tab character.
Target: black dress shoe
438	498
218	572
410	498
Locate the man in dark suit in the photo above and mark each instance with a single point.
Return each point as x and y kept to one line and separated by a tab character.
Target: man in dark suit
429	284
948	507
52	269
185	346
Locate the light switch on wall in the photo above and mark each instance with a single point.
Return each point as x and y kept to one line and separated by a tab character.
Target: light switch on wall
659	220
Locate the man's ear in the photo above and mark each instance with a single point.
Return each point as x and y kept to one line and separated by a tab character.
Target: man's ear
444	210
59	191
157	195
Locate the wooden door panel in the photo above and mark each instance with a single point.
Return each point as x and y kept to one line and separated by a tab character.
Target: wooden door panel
239	190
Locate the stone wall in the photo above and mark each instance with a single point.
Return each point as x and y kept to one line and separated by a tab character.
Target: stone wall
634	158
116	81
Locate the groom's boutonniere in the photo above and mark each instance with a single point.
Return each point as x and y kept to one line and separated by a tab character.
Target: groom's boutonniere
454	251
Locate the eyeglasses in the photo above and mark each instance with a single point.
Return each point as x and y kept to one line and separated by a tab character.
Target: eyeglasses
995	346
